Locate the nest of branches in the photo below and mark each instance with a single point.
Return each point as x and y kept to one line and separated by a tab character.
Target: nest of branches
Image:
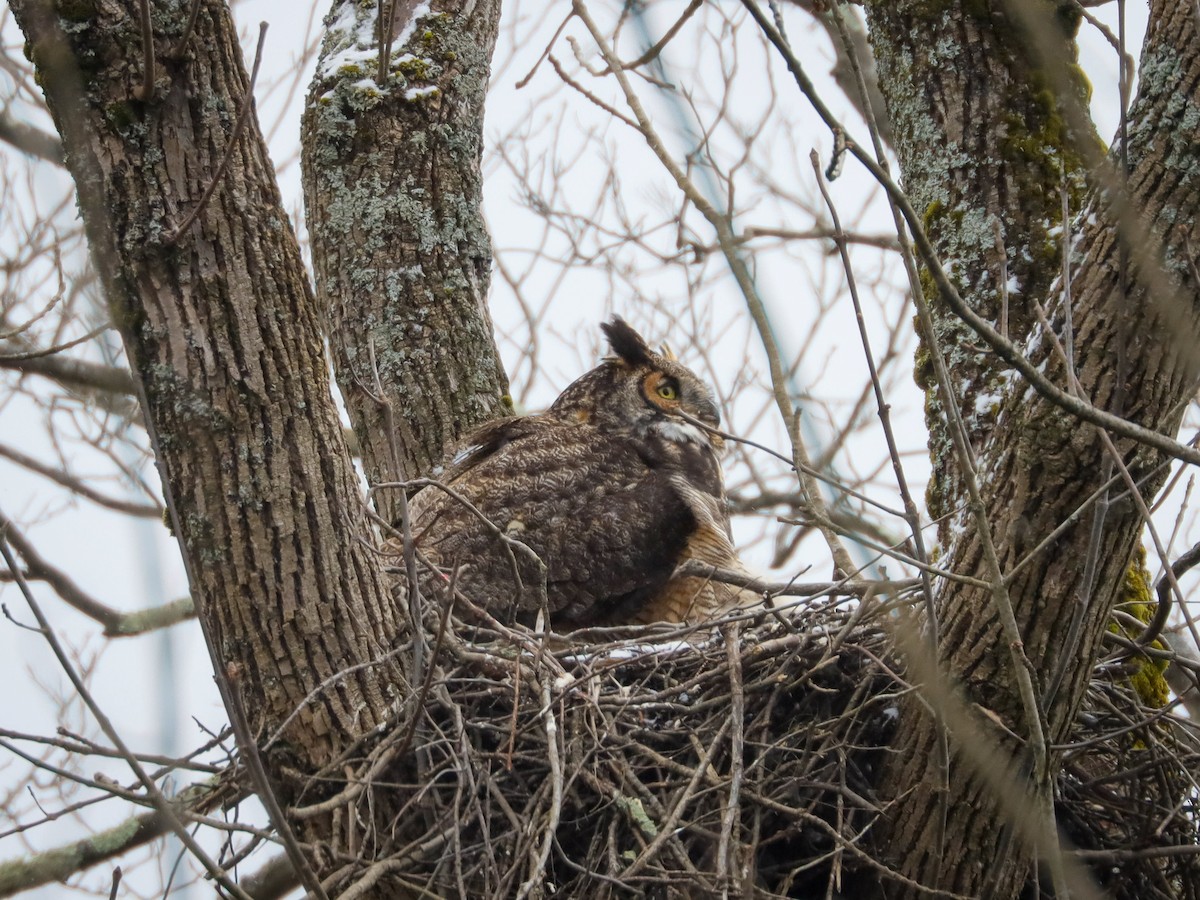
1127	795
742	757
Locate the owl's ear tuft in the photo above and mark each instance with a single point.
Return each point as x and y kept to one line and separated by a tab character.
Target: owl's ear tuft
625	342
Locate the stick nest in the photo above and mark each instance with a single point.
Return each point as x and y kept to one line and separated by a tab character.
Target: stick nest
740	758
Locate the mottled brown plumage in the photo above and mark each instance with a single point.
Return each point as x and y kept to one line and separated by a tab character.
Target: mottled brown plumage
611	488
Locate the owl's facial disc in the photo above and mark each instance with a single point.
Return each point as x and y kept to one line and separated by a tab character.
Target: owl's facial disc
672	401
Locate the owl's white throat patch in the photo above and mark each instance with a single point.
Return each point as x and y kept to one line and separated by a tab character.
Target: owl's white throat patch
681	432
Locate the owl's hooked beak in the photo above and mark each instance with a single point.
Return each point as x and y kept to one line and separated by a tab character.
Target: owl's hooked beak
707	412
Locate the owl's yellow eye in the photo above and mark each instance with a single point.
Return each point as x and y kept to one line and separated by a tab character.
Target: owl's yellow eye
668	391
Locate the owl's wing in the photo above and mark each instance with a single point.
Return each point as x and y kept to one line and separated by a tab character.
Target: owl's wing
608	521
486	441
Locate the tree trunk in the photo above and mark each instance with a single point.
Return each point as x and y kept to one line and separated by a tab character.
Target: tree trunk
393	190
985	150
221	329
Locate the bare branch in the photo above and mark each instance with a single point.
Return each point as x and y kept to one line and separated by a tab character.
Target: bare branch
75	373
116	623
30	140
60	863
80	487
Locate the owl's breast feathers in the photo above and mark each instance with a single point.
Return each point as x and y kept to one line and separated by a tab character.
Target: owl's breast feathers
612	489
611	515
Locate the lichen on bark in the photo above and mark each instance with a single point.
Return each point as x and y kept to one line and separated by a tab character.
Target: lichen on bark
1137	599
990	187
220	328
984	152
400	248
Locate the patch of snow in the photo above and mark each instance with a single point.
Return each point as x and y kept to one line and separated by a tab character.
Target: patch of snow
631	651
464	453
410	26
634	651
355	29
986	402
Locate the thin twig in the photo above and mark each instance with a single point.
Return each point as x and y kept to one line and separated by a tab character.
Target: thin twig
545	53
726	866
160	801
117	623
550	829
797	465
1164	590
145	91
653	51
180	48
911	514
218	176
80	487
8	359
408	547
740	270
1001	600
332	681
1006	350
386	25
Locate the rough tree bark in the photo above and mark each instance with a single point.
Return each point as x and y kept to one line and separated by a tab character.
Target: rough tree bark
223	334
986	153
221	330
393	189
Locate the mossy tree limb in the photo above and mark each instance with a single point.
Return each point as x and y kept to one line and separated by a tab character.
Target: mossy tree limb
393	190
984	150
57	864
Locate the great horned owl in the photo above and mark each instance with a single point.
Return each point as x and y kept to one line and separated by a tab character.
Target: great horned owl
611	488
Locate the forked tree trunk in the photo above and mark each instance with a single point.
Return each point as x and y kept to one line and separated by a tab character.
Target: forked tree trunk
222	330
986	154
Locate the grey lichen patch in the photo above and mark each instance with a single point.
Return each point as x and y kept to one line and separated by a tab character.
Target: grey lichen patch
249	496
1162	70
437	55
145	232
200	538
994	217
166	389
367	209
60	863
637	812
398	253
372	212
115	838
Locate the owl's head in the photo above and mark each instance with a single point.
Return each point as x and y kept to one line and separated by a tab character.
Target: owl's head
639	388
